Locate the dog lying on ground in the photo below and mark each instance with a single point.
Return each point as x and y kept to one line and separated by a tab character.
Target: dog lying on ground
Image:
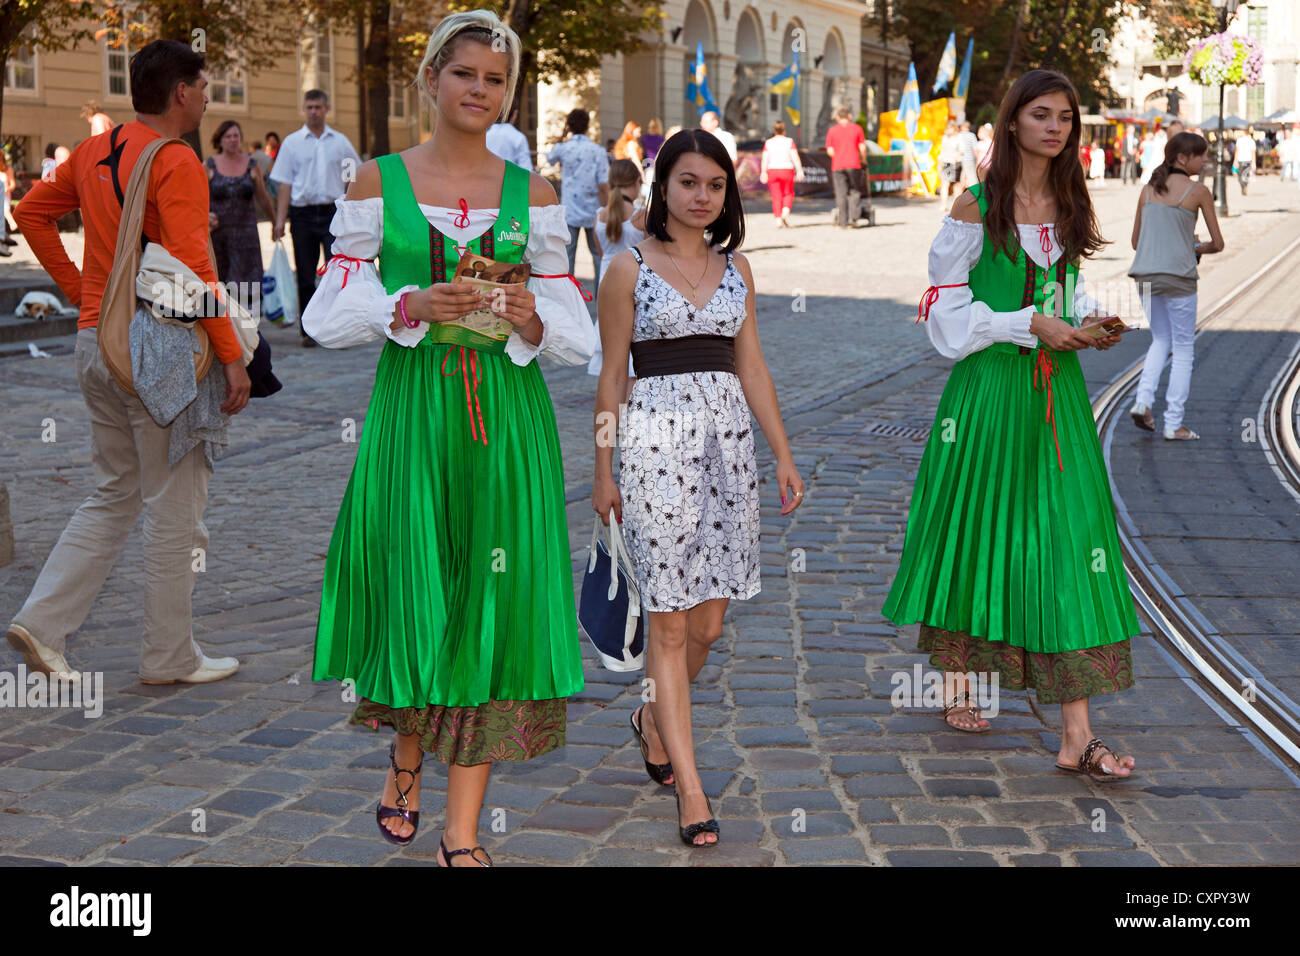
38	305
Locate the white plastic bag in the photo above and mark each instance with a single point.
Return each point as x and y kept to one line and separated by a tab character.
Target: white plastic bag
280	289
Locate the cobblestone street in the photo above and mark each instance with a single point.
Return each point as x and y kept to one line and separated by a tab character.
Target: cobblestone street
805	757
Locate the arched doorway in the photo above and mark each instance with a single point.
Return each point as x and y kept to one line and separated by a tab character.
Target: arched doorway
697	28
832	92
745	113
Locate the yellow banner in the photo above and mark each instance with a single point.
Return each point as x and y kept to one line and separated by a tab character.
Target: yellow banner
929	127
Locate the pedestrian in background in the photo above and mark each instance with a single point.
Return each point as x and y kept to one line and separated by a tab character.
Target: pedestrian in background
687	494
315	164
99	121
1243	159
710	123
584	184
271	149
234	184
1148	157
628	145
983	145
986	491
49	163
1164	238
508	141
846	145
1129	154
651	140
949	164
131	453
779	170
969	142
7	184
448	588
620	225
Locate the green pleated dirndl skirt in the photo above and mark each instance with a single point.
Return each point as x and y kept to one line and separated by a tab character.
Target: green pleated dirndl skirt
448	588
1012	560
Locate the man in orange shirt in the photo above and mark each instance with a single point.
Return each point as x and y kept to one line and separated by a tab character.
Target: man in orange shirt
128	448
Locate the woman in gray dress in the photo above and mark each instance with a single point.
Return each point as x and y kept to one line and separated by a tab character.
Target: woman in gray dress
234	182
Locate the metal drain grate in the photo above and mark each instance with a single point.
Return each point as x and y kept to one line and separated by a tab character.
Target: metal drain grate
895	430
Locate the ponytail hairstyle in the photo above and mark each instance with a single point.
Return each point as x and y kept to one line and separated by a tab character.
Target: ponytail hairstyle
622	173
1180	144
1076	222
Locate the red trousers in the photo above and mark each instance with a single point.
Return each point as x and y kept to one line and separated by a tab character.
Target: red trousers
780	183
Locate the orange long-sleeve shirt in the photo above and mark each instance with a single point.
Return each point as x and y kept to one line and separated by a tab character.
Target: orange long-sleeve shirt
176	214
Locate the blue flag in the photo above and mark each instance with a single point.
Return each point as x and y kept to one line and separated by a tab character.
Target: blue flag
787	82
698	90
947	64
963	81
909	106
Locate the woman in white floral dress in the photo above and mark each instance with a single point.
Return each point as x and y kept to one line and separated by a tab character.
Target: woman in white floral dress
683	305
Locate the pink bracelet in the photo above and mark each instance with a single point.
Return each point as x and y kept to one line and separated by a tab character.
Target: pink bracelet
401	308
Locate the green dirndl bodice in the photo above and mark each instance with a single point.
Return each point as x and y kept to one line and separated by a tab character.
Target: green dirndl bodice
1006	541
448	579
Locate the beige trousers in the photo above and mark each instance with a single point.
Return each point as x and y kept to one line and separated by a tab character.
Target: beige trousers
129	452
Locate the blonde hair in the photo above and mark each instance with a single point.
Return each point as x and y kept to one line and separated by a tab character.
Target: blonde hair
481	26
622	173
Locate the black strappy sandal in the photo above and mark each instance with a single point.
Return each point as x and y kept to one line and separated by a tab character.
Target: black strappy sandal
658	772
689	833
448	854
383	813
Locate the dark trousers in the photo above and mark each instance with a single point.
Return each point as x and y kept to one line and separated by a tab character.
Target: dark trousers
309	228
848	195
574	232
1128	169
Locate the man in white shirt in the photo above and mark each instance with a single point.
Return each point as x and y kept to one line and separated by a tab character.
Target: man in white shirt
316	163
584	185
709	123
1244	159
507	141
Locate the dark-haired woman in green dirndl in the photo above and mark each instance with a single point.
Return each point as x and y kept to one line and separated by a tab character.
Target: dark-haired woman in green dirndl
1012	562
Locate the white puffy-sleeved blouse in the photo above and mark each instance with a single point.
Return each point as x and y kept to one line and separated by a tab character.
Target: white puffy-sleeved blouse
957	324
351	305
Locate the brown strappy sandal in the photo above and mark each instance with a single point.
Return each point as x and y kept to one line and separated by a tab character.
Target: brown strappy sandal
1090	763
973	711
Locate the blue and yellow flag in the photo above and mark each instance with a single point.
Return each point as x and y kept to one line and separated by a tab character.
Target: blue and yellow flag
698	91
909	106
787	82
947	64
963	81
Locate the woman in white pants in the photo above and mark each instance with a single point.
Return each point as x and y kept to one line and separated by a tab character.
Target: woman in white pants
1164	235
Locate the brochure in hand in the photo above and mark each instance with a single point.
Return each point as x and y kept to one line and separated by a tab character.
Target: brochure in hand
1099	326
488	274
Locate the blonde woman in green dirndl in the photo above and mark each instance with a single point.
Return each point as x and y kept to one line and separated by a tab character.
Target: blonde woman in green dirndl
448	587
1012	563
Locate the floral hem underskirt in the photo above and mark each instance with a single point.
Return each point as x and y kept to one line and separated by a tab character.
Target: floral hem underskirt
466	736
1057	678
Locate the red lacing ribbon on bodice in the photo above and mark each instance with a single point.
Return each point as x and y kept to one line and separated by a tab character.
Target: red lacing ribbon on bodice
462	221
471	401
1044	366
1044	241
930	297
586	296
343	264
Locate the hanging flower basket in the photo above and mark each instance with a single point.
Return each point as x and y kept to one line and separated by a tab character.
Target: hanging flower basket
1229	59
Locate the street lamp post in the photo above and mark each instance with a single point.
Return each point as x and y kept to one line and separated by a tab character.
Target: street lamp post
1226	9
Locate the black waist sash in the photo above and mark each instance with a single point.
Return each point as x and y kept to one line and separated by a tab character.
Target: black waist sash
685	353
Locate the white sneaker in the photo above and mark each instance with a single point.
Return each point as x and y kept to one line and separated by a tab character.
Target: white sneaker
39	657
210	669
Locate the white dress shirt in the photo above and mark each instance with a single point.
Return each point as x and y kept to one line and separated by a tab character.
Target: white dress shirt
728	141
957	324
510	144
315	166
351	304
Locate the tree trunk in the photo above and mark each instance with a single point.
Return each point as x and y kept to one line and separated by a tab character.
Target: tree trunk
1022	11
1049	61
363	146
519	17
376	73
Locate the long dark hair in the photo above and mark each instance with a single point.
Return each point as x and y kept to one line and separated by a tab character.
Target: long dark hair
1076	222
1180	144
728	230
